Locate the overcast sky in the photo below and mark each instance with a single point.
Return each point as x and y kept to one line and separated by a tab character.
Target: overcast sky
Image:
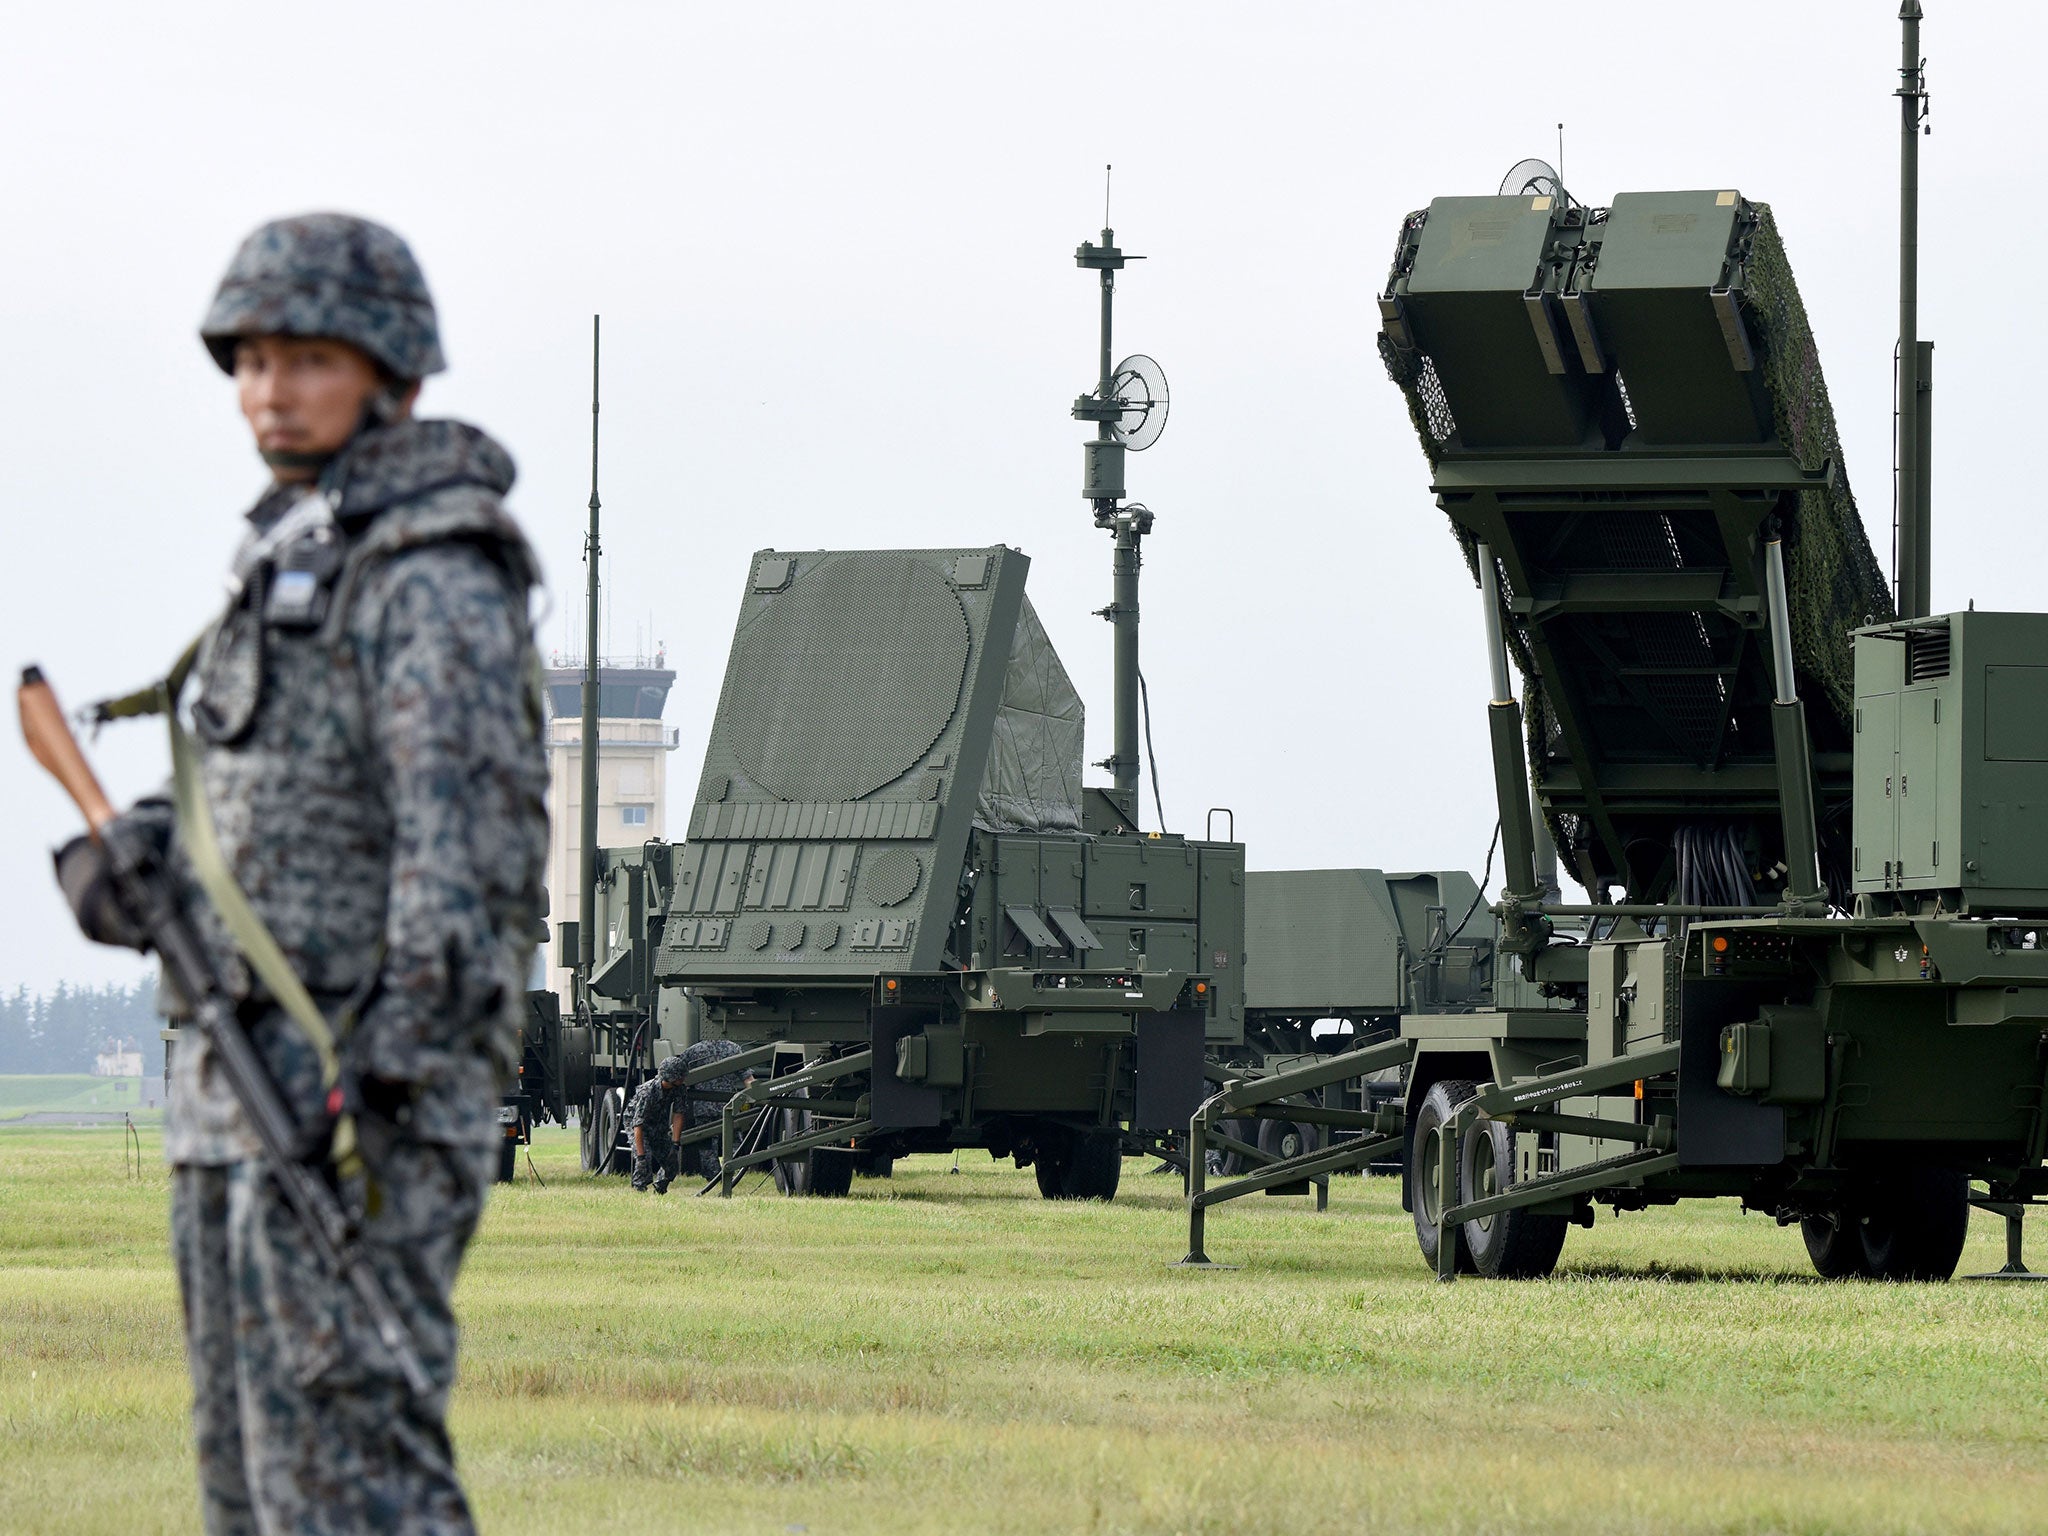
832	245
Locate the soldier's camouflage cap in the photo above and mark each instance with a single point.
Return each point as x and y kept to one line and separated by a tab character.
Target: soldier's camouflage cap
328	274
672	1071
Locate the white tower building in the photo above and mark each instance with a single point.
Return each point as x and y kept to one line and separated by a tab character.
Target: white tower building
632	775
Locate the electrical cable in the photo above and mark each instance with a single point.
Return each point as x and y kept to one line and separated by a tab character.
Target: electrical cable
1485	875
1151	760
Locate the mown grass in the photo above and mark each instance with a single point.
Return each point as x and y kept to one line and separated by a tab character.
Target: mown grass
25	1093
947	1353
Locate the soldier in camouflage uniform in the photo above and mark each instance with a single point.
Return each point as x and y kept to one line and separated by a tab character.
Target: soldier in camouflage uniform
655	1118
698	1112
369	748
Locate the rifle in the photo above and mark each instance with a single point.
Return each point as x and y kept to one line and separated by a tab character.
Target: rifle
148	893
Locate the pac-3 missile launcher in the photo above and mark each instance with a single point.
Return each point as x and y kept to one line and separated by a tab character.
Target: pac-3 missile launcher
1811	974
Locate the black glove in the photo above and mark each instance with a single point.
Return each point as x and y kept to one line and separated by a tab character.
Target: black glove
85	872
87	878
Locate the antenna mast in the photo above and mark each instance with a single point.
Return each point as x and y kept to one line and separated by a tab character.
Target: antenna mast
1120	423
586	912
1916	357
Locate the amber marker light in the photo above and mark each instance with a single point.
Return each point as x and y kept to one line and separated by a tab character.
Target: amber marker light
1720	943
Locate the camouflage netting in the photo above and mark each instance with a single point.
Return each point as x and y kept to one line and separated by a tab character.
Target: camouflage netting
1834	580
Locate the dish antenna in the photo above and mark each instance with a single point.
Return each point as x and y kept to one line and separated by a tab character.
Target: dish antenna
1533	178
1140	390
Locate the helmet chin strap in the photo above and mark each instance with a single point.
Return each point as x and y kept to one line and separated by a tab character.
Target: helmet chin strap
291	458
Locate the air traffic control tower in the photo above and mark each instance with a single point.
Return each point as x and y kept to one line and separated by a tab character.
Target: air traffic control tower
632	798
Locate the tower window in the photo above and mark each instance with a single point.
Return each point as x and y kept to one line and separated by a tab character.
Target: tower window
633	815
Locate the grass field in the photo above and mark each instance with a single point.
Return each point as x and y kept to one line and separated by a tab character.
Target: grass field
25	1093
948	1353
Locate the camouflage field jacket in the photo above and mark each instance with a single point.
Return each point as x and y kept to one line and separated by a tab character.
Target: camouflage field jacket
369	736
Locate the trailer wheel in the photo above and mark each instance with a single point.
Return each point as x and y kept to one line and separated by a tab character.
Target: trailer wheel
611	1113
1512	1245
1438	1105
1233	1163
1918	1221
875	1165
1286	1138
1835	1244
1080	1165
1097	1166
586	1134
823	1172
1055	1154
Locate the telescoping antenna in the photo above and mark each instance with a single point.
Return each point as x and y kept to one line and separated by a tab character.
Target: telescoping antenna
1912	514
586	910
1129	409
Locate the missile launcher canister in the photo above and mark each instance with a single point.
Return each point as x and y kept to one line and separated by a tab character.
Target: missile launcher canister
1614	401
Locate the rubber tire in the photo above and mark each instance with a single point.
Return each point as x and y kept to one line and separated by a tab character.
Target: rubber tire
586	1134
1438	1105
622	1155
1085	1165
1274	1135
1096	1168
608	1109
823	1173
1904	1224
1835	1245
874	1165
1055	1156
508	1159
1918	1221
1234	1163
1514	1245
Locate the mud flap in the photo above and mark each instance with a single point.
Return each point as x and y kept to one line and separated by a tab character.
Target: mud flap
1716	1128
893	1103
1170	1079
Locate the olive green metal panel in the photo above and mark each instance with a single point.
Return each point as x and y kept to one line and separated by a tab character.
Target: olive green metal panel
1339	942
1951	764
1322	942
1482	245
1463	298
1660	240
1687	356
841	777
1223	950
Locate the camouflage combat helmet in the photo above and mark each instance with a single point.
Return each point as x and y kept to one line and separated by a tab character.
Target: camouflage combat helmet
328	274
672	1072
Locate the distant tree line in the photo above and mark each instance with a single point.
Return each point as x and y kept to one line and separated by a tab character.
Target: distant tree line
62	1031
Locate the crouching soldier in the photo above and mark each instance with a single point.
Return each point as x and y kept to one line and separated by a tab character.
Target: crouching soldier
656	1121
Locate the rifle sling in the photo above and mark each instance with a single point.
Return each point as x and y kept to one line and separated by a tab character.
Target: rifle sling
248	931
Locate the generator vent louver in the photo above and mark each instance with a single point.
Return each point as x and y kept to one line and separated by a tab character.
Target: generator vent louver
1926	654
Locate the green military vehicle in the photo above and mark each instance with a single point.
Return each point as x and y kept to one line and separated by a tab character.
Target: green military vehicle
1812	976
898	899
899	907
